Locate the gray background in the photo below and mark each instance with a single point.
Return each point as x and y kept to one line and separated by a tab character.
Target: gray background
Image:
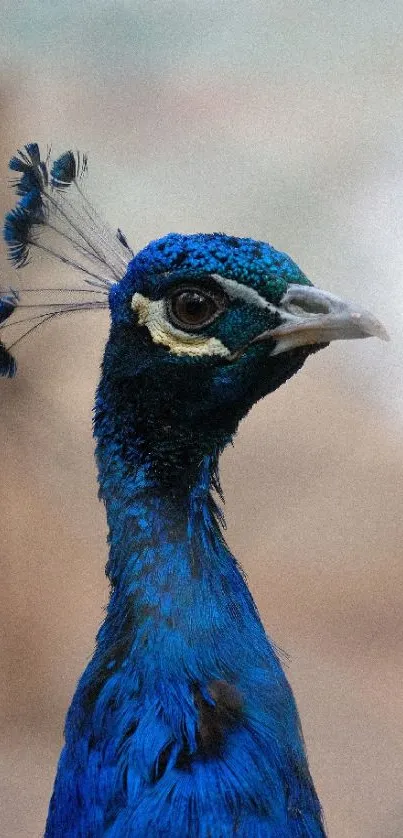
281	121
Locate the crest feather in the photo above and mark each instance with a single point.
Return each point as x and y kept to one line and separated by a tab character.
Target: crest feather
54	215
52	201
8	302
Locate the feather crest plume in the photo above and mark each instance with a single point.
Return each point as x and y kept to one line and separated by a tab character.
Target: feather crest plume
53	215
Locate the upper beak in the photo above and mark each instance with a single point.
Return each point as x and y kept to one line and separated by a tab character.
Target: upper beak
314	316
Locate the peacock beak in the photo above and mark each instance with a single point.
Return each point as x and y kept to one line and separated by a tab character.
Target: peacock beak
313	316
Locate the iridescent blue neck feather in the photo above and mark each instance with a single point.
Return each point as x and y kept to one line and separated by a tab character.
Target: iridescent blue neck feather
184	707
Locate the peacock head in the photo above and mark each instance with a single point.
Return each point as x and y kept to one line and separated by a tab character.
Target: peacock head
202	325
205	325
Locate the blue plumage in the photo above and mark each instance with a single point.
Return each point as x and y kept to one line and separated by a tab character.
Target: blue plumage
183	724
19	223
34	171
67	168
8	303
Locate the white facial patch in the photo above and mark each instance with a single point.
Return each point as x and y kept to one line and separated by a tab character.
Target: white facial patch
152	314
239	291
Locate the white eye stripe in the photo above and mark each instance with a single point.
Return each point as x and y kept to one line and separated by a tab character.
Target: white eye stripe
237	290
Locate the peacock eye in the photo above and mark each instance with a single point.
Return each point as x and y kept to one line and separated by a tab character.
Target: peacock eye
192	308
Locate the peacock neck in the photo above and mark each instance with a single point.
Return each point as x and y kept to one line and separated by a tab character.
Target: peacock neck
175	587
183	672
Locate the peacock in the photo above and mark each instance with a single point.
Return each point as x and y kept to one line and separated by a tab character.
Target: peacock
183	724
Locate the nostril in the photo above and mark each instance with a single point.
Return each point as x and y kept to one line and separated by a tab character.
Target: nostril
307	307
301	300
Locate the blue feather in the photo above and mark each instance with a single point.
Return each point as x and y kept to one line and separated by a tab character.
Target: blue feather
8	366
19	223
76	235
34	171
67	168
27	159
8	303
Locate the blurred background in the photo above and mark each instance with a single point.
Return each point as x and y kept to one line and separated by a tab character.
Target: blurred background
277	120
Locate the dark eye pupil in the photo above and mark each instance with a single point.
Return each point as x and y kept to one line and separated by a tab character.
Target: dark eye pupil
192	308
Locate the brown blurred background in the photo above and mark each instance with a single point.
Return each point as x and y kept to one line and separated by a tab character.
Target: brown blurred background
281	121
